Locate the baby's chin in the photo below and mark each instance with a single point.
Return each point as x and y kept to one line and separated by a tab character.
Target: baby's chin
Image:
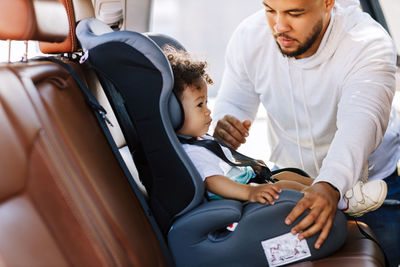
204	133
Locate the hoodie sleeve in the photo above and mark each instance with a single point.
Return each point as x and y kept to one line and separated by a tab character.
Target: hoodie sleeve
236	95
363	112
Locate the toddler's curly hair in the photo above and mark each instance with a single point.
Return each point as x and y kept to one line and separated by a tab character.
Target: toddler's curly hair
186	70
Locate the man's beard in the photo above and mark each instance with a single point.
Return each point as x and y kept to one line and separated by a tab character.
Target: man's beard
306	45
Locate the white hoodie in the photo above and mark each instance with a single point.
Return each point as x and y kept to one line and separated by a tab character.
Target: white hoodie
326	113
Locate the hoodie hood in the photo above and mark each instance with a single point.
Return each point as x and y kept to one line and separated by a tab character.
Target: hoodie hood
347	3
338	27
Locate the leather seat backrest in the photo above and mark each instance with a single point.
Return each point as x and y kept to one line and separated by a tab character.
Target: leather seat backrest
78	10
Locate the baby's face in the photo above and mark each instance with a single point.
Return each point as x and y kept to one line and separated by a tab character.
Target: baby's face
197	115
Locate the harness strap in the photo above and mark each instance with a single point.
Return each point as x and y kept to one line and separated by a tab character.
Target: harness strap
214	145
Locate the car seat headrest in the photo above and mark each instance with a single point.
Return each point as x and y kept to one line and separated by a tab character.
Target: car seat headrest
92	32
175	106
162	40
33	20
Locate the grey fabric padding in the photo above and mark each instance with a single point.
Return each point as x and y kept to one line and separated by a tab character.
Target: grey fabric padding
92	32
162	40
169	108
174	106
194	241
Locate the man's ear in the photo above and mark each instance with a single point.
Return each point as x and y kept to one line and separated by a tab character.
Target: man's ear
329	5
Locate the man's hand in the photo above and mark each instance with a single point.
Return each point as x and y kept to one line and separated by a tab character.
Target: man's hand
321	199
231	131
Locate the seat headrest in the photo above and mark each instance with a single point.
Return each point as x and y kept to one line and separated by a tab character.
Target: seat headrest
92	32
33	20
75	10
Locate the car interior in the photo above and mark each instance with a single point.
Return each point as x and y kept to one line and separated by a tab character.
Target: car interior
71	191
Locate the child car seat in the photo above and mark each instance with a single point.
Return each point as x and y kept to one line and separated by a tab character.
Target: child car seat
134	71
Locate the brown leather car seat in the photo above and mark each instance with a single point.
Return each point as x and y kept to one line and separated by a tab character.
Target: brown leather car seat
64	198
77	11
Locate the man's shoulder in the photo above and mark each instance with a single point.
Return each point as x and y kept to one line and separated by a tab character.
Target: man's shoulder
360	35
368	30
361	28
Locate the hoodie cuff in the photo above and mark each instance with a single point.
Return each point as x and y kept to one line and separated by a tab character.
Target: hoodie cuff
338	184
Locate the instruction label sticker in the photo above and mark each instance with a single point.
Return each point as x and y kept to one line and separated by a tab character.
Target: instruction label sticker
285	249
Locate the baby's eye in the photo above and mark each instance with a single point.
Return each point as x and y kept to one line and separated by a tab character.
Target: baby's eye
200	104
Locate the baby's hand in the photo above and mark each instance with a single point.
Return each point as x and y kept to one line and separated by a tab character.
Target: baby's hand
264	193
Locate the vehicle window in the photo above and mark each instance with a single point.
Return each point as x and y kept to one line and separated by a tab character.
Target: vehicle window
203	27
12	51
391	10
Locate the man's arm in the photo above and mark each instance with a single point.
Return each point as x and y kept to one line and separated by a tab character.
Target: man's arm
362	117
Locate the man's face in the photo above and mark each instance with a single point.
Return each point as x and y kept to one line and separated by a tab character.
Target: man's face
298	25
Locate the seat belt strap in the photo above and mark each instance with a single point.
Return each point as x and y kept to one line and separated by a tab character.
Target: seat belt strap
214	146
89	97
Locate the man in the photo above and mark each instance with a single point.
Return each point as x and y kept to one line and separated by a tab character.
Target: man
324	72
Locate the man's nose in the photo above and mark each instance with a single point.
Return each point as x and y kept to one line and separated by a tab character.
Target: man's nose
281	24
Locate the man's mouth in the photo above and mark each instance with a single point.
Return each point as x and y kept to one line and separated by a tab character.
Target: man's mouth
285	42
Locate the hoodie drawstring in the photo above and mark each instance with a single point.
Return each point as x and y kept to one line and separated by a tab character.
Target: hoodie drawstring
295	118
309	125
307	119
